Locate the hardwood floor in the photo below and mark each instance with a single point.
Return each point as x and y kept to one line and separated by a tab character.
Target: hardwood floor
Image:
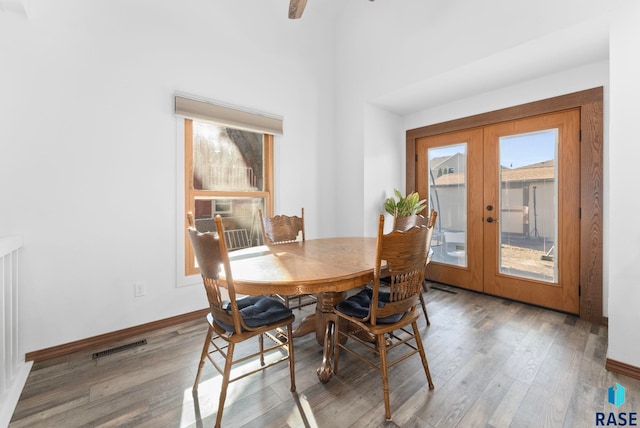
495	363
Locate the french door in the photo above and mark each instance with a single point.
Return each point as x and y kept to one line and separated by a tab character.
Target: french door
507	197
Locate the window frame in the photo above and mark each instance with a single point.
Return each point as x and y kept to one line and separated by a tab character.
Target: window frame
190	193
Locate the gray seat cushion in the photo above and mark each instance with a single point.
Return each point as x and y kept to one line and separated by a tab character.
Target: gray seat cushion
358	306
257	311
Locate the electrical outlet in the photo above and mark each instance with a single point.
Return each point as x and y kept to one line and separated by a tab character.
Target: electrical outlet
138	288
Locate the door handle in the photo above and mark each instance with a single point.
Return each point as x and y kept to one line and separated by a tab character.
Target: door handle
490	220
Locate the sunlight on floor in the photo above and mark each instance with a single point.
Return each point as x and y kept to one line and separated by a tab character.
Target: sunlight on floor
203	403
305	412
204	406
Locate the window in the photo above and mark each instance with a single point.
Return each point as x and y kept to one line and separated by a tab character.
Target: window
228	171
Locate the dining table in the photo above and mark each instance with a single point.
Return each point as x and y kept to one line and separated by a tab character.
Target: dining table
324	267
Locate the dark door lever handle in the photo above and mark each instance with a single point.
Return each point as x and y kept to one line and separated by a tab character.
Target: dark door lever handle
489	219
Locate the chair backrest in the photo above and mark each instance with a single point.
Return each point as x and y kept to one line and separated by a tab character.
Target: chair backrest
427	221
430	223
406	223
211	255
405	254
281	229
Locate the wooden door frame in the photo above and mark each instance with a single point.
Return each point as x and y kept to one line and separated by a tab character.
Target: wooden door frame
590	103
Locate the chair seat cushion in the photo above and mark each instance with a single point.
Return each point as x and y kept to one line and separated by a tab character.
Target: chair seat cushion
358	306
257	311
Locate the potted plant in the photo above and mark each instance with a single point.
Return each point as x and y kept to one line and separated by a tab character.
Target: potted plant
404	208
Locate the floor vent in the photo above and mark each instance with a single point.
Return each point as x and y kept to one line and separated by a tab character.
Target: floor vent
119	349
435	287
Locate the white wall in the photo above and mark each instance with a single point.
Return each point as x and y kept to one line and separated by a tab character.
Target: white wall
384	165
88	143
88	139
624	237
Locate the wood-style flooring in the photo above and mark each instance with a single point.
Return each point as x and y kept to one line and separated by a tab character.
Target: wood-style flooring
495	363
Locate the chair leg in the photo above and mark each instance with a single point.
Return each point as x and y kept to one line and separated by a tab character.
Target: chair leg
261	345
292	371
384	371
225	382
424	309
203	357
335	342
423	355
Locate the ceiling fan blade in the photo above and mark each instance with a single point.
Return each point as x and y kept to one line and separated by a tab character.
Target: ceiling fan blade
296	7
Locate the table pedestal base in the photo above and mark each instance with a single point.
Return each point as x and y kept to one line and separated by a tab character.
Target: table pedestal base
325	322
325	372
322	322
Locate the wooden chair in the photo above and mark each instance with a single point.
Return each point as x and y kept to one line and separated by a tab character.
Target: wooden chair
405	223
386	315
430	223
282	229
237	320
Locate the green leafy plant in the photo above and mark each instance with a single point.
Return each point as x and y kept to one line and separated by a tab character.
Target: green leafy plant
405	205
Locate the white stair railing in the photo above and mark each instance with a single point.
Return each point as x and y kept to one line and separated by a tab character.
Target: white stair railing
13	369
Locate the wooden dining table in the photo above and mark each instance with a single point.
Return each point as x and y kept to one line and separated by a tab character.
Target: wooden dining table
326	268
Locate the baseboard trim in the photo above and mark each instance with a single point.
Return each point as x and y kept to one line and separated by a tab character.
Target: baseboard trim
107	338
623	368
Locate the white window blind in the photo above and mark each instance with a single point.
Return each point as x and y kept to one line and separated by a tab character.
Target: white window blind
227	115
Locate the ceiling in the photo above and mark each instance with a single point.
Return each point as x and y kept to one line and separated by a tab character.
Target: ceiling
12	6
585	43
561	50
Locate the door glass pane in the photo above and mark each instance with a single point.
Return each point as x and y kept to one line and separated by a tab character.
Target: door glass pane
448	196
529	205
